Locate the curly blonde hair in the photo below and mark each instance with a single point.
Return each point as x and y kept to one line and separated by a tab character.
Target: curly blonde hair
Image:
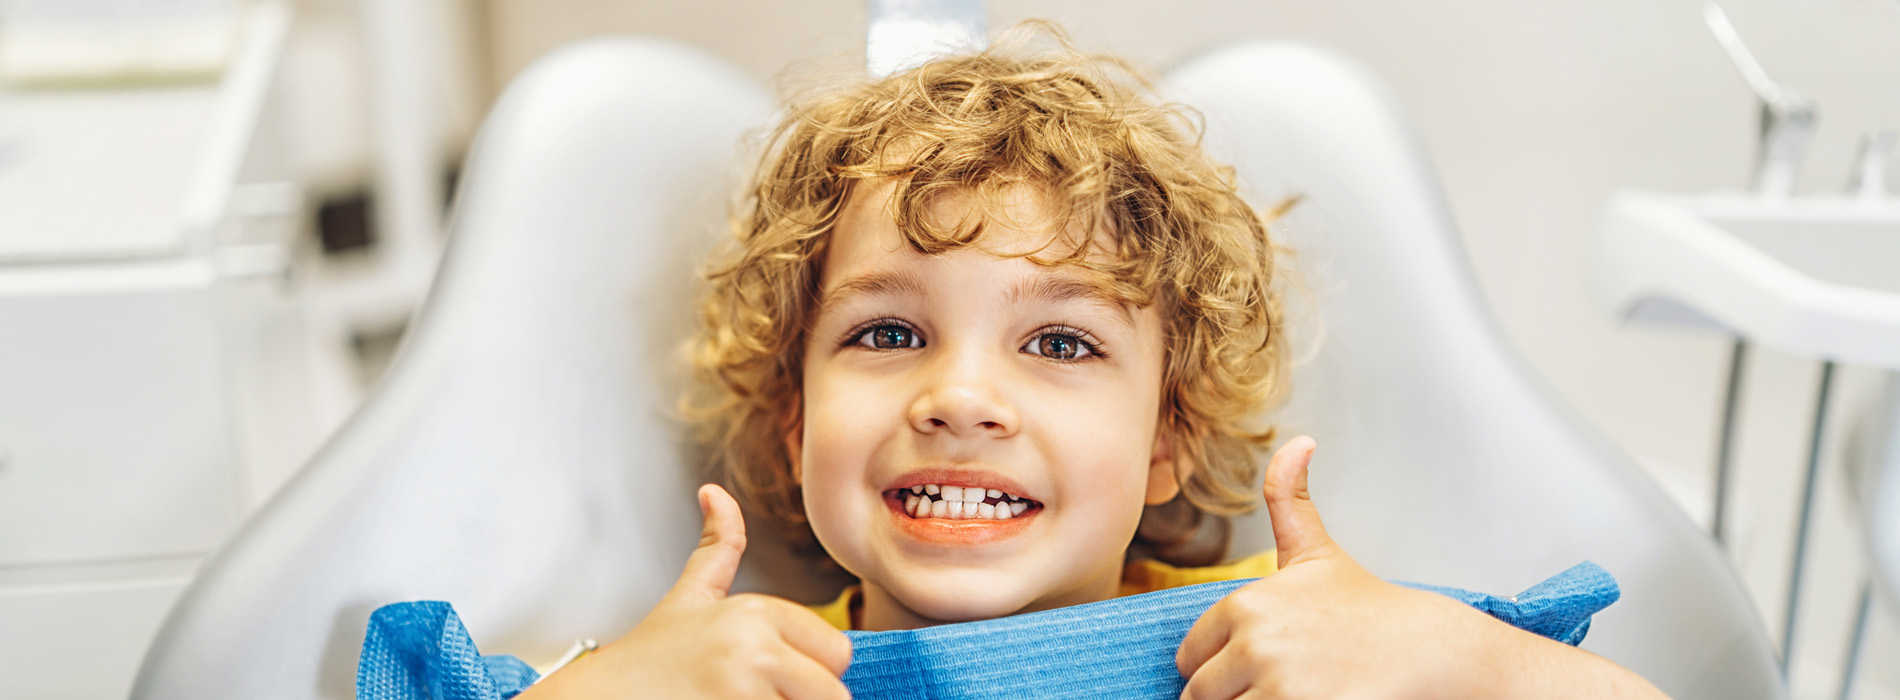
1082	131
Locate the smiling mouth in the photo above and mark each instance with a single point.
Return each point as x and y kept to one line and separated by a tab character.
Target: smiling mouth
936	501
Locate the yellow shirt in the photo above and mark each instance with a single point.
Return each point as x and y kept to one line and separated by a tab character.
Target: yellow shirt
1139	576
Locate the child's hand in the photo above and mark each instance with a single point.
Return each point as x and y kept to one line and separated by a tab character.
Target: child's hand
1322	627
699	643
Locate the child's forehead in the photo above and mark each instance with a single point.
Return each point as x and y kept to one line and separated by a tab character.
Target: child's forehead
868	256
1017	221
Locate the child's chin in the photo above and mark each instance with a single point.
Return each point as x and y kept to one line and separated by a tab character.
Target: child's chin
964	610
952	599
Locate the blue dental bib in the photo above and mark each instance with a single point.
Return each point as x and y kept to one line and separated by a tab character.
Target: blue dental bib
1122	648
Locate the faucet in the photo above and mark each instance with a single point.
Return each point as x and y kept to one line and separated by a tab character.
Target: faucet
1787	117
1869	179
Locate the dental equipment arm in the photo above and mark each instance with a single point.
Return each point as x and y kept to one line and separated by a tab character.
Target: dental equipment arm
1787	117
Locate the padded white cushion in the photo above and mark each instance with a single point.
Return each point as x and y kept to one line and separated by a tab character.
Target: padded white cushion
1443	459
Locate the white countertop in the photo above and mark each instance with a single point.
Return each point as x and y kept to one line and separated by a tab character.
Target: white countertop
129	172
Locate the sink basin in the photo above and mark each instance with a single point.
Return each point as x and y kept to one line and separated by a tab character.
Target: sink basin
1814	276
1817	276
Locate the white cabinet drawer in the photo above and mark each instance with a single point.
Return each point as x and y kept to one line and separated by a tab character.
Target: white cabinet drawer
112	417
80	641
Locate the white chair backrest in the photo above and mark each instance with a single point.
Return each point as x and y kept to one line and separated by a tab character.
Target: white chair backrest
1442	458
521	459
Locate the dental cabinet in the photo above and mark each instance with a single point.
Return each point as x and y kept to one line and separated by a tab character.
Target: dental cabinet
149	334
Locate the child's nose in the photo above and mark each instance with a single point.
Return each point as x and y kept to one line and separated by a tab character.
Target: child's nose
964	410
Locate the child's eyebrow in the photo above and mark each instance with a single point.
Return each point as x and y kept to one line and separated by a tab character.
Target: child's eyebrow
1044	289
872	284
1052	289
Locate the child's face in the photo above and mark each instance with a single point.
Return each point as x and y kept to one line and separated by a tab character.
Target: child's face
969	369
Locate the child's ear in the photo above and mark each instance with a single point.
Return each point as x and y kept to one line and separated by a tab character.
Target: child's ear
1165	471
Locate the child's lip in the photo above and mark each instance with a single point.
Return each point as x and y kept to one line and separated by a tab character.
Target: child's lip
964	532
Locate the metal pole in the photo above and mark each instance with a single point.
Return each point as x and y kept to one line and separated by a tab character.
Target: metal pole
1880	504
1807	514
1855	642
1725	448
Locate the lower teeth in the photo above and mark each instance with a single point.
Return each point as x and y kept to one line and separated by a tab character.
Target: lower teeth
918	506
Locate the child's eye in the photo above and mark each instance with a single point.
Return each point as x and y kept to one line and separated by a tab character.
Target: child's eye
888	336
1065	344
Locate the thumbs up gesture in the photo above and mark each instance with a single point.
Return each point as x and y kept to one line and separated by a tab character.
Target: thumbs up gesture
1322	627
699	642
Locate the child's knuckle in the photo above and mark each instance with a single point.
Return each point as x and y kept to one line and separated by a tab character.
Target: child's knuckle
1250	602
750	604
763	661
1269	682
836	652
728	684
1200	686
1256	649
747	656
738	623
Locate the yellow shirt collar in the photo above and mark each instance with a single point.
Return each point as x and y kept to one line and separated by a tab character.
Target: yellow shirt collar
1139	576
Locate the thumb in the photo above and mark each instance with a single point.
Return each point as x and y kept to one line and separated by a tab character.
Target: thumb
709	571
1298	533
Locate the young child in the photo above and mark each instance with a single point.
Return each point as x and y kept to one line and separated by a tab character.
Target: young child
989	336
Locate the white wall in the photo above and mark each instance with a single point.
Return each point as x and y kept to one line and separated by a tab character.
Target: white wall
1535	112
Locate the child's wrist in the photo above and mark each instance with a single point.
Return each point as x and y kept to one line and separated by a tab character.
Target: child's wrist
1519	664
1501	660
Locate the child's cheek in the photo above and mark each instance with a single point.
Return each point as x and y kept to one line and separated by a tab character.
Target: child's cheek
1109	454
838	445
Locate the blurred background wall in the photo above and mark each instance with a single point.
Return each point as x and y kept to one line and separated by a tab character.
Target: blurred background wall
1534	112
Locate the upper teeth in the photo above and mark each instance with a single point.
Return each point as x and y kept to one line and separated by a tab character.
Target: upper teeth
962	503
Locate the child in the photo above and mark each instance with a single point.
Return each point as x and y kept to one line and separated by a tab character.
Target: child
989	337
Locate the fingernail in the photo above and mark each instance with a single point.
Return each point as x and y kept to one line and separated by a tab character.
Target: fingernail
703	505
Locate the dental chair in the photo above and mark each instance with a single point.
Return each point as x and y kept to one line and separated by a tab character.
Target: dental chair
521	459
